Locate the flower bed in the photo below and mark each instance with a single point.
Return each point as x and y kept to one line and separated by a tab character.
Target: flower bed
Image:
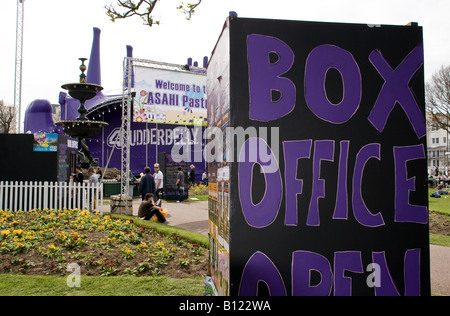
198	189
45	242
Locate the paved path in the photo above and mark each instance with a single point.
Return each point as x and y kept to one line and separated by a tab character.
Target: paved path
188	215
194	217
440	270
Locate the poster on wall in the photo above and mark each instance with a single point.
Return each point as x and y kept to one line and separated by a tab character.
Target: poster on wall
326	189
44	142
169	97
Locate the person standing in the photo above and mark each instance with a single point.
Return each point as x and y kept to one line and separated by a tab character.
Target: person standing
78	181
93	178
192	176
159	183
147	183
78	175
93	182
99	174
204	178
180	185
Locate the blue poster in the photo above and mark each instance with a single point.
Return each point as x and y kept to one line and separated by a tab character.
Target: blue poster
44	142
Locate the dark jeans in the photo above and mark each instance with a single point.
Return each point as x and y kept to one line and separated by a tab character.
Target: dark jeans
181	193
158	214
159	194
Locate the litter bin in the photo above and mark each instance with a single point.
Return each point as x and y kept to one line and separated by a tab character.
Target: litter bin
118	204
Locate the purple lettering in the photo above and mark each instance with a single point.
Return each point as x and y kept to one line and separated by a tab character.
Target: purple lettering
323	150
150	98
185	100
303	262
260	268
264	213
345	261
293	151
165	100
341	208
265	78
405	212
387	286
360	210
320	60
157	98
396	89
412	272
159	84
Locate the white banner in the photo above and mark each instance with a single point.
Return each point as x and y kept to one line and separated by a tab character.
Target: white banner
169	97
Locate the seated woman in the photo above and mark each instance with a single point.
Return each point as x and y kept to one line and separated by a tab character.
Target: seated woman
147	209
439	191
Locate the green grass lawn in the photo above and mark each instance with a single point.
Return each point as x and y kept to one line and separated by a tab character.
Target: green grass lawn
441	205
28	285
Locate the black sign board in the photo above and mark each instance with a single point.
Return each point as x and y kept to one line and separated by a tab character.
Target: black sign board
169	168
328	190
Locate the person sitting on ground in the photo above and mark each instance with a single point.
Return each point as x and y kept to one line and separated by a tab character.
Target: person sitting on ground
439	191
147	209
440	188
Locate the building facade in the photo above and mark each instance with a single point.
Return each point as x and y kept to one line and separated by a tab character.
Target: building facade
438	149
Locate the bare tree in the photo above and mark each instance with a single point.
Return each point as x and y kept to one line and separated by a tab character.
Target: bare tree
438	98
7	119
143	9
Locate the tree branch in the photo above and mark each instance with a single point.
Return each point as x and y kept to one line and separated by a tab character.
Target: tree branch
438	98
141	8
189	8
144	9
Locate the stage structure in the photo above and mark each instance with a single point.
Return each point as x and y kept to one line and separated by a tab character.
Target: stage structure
163	94
145	137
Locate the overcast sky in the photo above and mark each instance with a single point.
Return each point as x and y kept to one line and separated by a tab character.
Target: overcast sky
58	32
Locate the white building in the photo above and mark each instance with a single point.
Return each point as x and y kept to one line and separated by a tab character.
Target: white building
437	148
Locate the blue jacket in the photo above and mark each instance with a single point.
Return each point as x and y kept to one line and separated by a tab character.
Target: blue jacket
147	184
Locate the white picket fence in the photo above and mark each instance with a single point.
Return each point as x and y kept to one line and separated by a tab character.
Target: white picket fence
27	196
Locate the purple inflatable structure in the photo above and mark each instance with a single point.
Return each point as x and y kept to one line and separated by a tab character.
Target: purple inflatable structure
148	139
39	118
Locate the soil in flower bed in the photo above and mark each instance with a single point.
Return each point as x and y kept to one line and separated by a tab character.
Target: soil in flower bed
46	242
439	223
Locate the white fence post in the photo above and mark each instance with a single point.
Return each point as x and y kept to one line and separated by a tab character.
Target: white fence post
1	196
26	196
